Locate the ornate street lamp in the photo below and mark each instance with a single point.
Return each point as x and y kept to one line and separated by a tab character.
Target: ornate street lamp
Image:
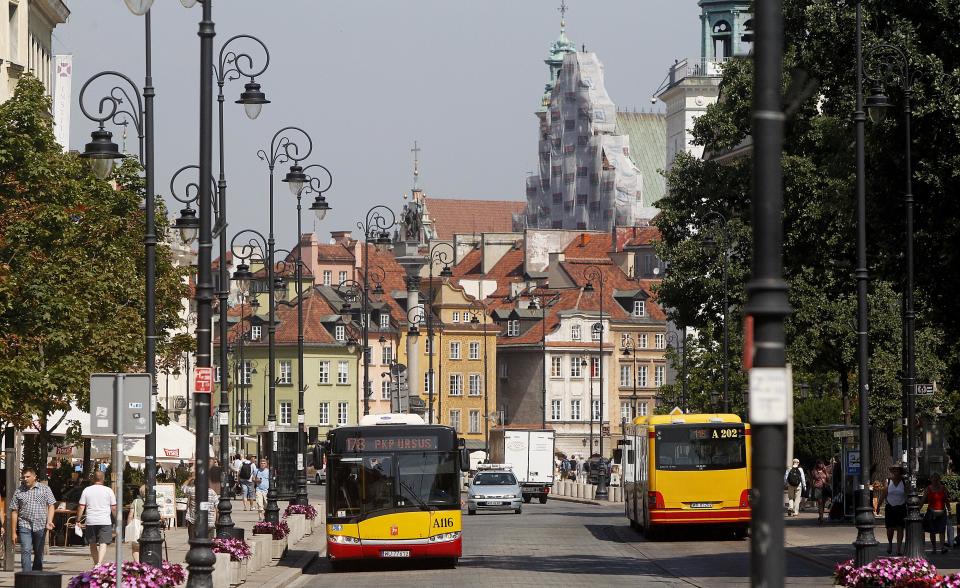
594	274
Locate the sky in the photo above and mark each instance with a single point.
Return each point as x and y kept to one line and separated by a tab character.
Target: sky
365	79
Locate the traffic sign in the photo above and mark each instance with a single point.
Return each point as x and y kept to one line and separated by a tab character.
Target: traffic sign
844	434
924	389
203	380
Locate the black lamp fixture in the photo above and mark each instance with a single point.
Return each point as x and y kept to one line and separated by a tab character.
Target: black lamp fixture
588	287
446	272
377	289
187	223
243	276
295	179
252	99
320	207
101	152
351	345
877	105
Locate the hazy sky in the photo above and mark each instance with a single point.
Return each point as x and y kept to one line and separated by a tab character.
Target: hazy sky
368	77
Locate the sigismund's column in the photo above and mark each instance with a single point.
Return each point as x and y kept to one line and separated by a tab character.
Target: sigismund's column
407	252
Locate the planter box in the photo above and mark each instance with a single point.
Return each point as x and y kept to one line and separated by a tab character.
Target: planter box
238	572
308	526
297	523
222	571
262	546
279	546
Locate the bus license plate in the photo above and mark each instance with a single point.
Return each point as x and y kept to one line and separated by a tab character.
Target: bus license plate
701	505
395	553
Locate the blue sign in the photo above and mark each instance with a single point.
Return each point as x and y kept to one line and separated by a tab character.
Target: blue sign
853	462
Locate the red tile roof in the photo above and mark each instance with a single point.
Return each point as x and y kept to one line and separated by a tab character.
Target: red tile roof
469	265
314	308
452	216
597	245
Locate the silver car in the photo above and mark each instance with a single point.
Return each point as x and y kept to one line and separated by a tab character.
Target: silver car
494	490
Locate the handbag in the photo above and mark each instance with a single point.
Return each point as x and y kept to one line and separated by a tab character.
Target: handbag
131	532
928	521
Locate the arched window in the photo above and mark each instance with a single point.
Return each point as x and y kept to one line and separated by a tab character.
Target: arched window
722	33
746	40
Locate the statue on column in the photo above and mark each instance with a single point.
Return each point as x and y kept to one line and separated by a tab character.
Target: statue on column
412	221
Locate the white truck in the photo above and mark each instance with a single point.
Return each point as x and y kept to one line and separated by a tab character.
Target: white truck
530	452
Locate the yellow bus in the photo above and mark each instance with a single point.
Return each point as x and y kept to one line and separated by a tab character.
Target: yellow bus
687	469
393	490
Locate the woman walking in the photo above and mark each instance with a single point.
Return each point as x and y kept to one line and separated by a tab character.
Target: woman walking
935	521
131	533
894	500
821	486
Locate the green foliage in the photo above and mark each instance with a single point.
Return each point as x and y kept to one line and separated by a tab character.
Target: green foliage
952	482
71	268
809	443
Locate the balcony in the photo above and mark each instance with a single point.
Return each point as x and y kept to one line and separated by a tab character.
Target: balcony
695	67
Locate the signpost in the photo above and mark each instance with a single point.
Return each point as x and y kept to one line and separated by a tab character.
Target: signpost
924	389
203	380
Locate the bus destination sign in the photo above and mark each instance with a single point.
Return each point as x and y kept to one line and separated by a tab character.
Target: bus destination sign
716	433
391	443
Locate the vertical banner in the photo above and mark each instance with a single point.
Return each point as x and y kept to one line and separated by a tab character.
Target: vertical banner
62	88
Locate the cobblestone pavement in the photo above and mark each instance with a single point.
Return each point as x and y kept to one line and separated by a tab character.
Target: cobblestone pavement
562	543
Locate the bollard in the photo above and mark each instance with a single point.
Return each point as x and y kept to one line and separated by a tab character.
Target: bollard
37	579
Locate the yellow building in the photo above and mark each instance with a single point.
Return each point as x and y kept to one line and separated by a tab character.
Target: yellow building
464	362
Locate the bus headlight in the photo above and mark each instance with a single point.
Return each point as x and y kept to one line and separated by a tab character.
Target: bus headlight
445	537
343	539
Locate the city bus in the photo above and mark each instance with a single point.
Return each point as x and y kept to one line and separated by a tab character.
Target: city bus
393	490
687	469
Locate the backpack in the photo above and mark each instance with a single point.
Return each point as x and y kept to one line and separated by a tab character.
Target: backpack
793	478
245	471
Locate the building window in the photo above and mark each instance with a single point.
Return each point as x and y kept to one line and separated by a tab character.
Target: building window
642	341
455	419
327	277
386	355
340	332
594	367
595	331
625	340
385	390
286	371
454	350
502	370
247	372
625	411
455	317
574	332
574	410
474	383
343	371
626	375
595	405
660	340
286	412
638	308
474	421
343	277
474	350
642	376
513	328
576	366
324	414
243	414
216	373
427	388
384	320
342	410
456	384
324	372
642	409
658	373
256	331
556	367
555	407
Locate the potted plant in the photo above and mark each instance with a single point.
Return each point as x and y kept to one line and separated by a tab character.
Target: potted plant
239	552
278	531
135	573
896	572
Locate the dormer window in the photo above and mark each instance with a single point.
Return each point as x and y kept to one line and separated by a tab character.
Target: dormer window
513	328
340	333
639	308
574	332
384	320
256	331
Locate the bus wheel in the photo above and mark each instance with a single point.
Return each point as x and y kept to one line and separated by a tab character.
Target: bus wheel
634	525
652	533
451	563
527	498
543	499
339	565
741	532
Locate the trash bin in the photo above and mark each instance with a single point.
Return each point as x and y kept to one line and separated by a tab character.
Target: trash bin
37	579
181	512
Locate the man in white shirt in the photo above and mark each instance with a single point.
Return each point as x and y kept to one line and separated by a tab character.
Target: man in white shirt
98	502
794	481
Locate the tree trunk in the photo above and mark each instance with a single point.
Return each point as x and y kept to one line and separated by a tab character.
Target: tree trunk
845	393
880	459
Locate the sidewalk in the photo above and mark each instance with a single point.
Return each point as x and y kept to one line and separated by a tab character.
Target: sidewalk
71	561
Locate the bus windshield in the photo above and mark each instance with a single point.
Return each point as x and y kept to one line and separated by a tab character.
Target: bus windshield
378	482
700	447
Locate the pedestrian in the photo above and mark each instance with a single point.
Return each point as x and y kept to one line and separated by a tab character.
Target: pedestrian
573	468
261	481
31	517
893	496
821	485
245	475
935	521
131	533
214	475
99	503
190	491
235	464
794	481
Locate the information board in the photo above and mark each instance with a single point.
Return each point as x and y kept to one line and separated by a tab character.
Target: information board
166	500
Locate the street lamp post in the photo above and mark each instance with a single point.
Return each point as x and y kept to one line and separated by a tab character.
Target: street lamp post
629	349
298	182
714	217
101	153
593	274
376	231
476	311
438	254
865	544
891	66
535	303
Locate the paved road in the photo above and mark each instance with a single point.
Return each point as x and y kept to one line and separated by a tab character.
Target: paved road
569	544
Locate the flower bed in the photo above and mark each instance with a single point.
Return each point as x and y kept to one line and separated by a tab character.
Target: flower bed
304	509
894	572
135	575
237	548
278	530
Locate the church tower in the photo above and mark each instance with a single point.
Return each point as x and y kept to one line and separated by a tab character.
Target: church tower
692	84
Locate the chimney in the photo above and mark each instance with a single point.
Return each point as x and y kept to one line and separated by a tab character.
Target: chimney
309	251
340	236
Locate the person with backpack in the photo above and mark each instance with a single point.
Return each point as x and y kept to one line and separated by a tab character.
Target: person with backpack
245	475
795	481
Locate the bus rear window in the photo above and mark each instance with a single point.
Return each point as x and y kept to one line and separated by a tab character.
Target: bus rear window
700	447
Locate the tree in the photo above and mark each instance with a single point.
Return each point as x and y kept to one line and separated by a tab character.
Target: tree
71	269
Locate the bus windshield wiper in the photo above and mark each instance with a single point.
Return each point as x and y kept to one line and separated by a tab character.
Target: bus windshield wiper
413	495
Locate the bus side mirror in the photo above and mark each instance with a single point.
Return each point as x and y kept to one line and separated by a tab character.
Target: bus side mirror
464	460
617	455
